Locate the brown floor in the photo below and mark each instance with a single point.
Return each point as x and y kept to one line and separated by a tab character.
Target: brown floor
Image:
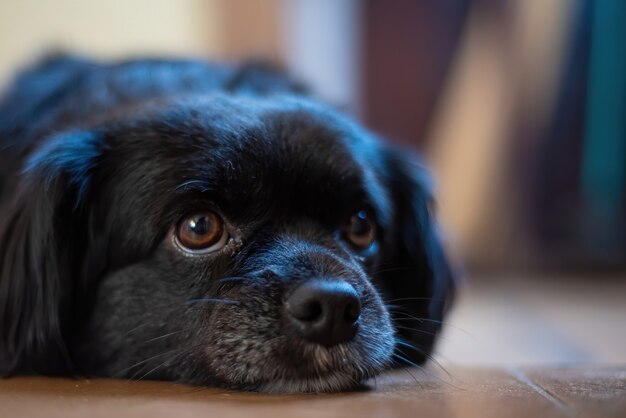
538	349
466	392
537	321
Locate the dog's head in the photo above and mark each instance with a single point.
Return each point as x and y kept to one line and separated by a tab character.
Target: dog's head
263	244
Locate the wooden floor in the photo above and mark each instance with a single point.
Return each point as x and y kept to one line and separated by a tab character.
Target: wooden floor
466	392
545	348
537	321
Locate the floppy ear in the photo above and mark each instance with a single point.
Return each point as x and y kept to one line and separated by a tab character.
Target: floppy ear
40	251
415	273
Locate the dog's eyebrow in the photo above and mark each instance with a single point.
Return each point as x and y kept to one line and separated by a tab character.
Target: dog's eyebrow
197	185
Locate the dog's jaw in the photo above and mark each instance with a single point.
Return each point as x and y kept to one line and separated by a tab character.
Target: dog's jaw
334	369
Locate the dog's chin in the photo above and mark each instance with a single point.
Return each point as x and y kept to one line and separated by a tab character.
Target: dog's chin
332	382
312	368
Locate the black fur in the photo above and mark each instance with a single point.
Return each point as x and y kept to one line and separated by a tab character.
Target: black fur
99	161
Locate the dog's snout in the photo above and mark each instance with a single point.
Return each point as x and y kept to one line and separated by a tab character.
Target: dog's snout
324	311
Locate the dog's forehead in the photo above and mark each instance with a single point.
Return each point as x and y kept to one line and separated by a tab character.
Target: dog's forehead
291	159
250	158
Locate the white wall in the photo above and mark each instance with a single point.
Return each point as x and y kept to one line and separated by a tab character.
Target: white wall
105	28
322	48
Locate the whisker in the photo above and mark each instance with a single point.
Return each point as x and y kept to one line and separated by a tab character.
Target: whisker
406	360
405	343
232	279
160	365
400	341
409	317
225	282
190	182
408	371
121	372
391	269
420	368
423	331
164	336
432	359
416	298
143	362
424	370
214	300
135	329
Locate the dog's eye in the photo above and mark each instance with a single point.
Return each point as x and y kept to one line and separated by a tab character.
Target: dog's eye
361	231
201	232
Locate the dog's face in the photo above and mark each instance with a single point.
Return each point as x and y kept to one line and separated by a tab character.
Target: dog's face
246	243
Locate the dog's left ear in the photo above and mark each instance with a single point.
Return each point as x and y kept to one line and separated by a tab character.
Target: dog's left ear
41	246
416	276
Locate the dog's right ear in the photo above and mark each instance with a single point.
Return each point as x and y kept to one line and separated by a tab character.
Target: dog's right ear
41	247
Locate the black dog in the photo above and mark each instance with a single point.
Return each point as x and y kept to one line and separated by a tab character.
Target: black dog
210	225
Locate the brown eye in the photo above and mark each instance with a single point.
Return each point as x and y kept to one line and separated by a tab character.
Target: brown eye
361	231
201	232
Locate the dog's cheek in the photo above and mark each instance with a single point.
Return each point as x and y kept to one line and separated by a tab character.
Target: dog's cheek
242	337
141	324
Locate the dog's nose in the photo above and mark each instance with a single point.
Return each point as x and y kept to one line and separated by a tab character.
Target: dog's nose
324	311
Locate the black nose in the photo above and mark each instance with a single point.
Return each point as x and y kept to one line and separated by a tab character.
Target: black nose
324	311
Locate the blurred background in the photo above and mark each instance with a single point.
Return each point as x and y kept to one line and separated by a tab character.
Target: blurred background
518	106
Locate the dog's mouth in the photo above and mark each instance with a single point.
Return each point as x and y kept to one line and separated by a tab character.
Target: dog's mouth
284	364
306	368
